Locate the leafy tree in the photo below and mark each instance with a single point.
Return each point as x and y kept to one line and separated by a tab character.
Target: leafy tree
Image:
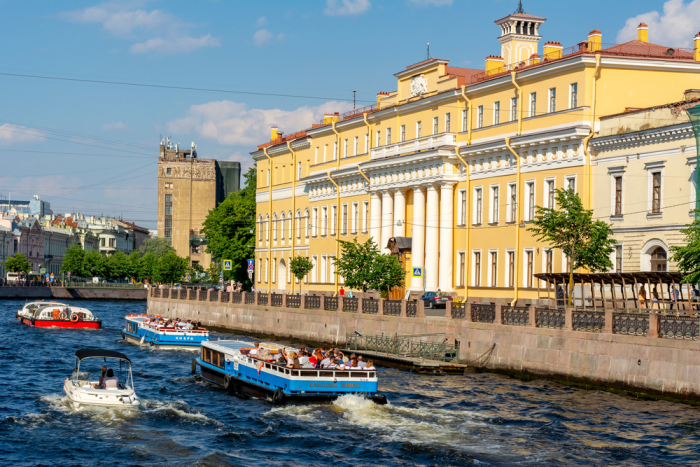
228	229
300	266
156	245
196	271
571	228
688	256
171	268
73	260
94	264
363	267
115	265
147	266
18	263
132	265
213	271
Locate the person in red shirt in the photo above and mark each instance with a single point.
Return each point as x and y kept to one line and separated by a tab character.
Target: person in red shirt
341	292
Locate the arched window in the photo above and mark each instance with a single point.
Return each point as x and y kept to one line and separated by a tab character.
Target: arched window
267	227
282	218
260	228
291	225
659	260
274	228
308	224
298	224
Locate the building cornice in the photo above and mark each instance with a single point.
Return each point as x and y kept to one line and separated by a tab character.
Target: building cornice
642	138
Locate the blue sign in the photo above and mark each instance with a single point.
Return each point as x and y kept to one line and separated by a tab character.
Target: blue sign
251	264
227	264
417	272
47	275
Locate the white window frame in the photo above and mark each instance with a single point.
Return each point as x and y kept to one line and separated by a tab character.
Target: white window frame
324	221
260	268
387	140
509	205
544	250
534	266
316	155
492	281
331	268
656	169
494	206
513	109
475	200
419	129
615	172
480	117
379	139
530	183
402	136
463	213
365	218
356	145
324	269
333	219
573	89
497	112
314	222
345	211
274	271
298	170
314	269
447	124
532	101
308	225
325	150
473	268
267	270
552	95
567	182
345	148
355	217
335	150
506	274
464	120
436	125
366	143
622	256
461	280
546	191
291	226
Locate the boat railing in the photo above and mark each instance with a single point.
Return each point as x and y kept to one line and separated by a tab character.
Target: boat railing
318	373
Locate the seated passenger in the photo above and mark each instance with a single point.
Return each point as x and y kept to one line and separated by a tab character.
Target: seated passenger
353	364
370	365
102	377
303	357
360	363
293	361
254	352
332	365
110	381
327	360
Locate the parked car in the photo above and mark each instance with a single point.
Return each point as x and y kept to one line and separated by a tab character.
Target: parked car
436	299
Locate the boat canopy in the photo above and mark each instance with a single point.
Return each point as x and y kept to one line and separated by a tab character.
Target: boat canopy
88	353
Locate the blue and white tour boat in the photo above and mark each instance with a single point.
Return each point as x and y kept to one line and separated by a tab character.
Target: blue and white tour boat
228	363
152	330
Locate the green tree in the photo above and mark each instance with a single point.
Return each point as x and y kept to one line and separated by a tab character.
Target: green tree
300	266
171	268
156	245
18	263
147	266
132	265
196	272
230	229
115	265
363	267
213	271
73	260
571	228
94	264
688	256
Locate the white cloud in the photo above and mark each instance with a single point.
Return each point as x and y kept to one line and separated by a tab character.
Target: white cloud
126	20
262	21
675	27
114	126
262	36
10	133
233	123
346	7
426	3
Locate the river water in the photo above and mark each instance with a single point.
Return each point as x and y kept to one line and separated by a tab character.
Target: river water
430	420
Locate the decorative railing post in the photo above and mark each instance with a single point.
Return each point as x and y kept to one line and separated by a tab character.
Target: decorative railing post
359	305
653	325
161	292
323	303
303	302
188	294
468	311
284	300
208	295
420	311
380	306
403	308
499	314
230	296
219	298
340	304
533	316
609	321
448	309
568	319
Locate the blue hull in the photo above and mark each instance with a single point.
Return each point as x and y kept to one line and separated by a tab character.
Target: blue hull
163	339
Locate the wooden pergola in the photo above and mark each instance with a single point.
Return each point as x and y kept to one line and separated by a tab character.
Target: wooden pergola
623	293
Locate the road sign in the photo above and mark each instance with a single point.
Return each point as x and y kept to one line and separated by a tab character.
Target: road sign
47	276
51	274
227	264
68	273
51	278
188	277
43	270
417	272
221	275
251	264
250	274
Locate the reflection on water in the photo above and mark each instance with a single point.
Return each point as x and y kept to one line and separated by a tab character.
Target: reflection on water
455	420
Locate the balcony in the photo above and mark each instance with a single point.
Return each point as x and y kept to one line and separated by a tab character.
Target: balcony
198	239
415	145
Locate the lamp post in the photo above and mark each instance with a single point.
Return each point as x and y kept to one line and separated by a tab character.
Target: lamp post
694	115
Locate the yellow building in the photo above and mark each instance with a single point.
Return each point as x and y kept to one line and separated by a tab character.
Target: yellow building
456	160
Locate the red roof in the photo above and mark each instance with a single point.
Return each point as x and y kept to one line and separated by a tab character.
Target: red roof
645	49
281	140
422	63
463	74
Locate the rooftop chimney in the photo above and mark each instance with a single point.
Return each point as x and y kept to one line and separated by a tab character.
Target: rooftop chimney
696	53
595	38
643	32
273	133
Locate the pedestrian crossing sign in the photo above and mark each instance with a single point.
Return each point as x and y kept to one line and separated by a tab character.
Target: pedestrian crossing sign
227	265
417	272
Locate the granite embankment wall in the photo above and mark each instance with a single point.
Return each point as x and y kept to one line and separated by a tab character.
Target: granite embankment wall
641	363
62	293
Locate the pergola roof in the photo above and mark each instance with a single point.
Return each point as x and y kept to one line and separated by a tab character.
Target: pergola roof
618	277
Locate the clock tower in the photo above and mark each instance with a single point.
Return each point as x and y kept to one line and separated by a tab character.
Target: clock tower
519	37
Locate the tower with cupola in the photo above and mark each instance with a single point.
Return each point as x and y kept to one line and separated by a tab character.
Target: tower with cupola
519	38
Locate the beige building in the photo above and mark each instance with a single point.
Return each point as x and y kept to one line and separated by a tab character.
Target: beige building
188	188
644	182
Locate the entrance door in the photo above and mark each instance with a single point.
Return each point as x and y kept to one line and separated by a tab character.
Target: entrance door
659	261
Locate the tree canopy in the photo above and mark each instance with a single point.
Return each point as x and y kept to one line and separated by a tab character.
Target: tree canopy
18	263
171	268
688	256
156	245
300	266
363	267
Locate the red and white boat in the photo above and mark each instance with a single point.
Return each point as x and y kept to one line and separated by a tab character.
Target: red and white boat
59	315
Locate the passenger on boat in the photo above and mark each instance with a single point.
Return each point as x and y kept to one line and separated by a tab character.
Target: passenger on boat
254	352
360	363
353	364
327	360
110	381
293	360
102	377
370	365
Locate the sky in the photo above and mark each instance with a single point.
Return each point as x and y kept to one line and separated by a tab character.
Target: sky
85	144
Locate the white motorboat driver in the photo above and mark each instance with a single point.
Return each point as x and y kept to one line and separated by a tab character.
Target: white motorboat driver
102	377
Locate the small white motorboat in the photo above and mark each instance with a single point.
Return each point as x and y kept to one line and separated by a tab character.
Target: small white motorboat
84	391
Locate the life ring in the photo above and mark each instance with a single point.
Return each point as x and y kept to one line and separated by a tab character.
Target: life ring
278	396
63	315
55	315
74	318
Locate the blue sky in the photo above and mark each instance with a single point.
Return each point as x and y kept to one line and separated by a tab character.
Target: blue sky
92	147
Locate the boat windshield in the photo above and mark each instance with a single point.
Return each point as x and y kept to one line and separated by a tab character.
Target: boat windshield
91	367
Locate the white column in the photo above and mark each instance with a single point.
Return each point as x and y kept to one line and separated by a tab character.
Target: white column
375	217
432	229
387	220
446	236
418	241
400	212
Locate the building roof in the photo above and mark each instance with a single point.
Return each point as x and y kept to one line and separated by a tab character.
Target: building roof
522	16
645	49
464	73
685	103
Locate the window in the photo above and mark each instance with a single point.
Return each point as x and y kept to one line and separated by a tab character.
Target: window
618	196
325	148
365	218
274	227
573	95
169	171
658	260
460	272
480	116
533	104
308	224
355	217
477	269
494	269
436	122
316	155
464	120
478	206
513	203
403	133
334	211
168	186
511	268
419	127
314	222
298	225
552	100
463	206
324	225
550	194
388	136
530	201
571	184
529	264
513	109
298	170
656	193
291	225
268	177
168	229
496	113
335	150
356	145
618	258
282	222
345	148
447	123
344	229
367	143
324	266
378	139
494	204
213	357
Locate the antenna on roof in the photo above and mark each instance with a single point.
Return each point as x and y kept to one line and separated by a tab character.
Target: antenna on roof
427	53
520	8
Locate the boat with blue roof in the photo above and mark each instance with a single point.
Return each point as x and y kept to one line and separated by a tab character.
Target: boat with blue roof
241	368
152	330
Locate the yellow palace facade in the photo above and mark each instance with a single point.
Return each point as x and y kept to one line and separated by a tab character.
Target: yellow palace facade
454	162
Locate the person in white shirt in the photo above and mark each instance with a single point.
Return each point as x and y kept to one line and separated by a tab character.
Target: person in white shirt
254	351
110	381
360	363
370	365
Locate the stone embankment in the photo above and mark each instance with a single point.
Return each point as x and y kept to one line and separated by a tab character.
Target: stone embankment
645	353
63	293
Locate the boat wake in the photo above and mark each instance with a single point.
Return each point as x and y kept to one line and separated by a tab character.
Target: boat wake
175	409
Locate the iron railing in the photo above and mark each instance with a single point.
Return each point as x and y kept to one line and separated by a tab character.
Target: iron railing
459	310
550	317
409	346
250	298
392	307
412	308
350	304
165	293
515	315
262	298
276	299
237	297
213	295
631	323
591	321
82	285
293	301
193	294
224	297
483	313
202	295
678	327
330	303
313	301
370	306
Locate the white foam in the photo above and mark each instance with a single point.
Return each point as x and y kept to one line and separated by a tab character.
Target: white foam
179	408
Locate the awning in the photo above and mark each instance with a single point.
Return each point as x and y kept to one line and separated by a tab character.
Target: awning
88	353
